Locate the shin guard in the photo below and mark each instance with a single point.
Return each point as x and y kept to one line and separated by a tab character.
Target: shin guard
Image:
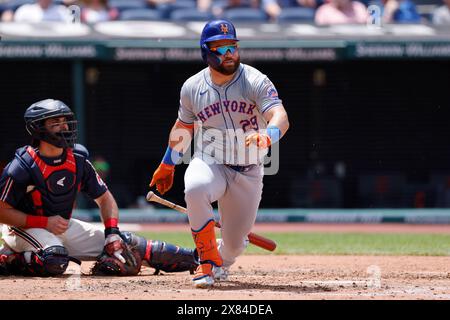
205	241
163	256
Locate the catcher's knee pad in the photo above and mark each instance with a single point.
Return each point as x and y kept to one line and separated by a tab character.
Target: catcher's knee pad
137	242
161	255
52	261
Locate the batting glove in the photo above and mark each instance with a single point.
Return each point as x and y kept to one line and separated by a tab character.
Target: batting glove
261	140
163	178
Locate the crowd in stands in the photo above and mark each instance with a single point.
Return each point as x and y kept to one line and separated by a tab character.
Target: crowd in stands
319	12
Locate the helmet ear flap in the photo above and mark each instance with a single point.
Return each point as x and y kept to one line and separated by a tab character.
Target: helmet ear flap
208	56
205	51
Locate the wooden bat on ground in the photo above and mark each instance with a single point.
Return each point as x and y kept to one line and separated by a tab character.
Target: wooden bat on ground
253	238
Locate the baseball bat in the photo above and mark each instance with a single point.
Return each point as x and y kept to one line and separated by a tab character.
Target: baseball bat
253	238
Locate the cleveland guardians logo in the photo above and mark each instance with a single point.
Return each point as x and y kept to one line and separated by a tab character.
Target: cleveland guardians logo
224	28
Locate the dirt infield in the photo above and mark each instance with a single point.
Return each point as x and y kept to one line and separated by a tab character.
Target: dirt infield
258	277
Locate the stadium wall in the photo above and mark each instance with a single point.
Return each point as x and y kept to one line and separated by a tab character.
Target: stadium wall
355	117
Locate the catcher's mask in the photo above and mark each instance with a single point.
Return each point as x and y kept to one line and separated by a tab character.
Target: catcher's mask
216	30
36	115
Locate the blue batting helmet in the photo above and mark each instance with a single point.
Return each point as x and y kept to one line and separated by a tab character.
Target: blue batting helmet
215	30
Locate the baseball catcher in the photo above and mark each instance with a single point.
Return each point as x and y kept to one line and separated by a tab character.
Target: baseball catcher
38	189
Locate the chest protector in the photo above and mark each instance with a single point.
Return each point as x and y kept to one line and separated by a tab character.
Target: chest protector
55	186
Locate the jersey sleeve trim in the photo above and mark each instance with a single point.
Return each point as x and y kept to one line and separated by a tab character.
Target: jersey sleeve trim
270	106
188	124
101	193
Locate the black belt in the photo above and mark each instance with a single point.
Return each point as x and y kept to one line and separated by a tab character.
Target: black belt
241	168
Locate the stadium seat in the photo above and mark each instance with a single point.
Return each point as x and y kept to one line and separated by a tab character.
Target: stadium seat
191	14
381	190
440	181
427	17
14	4
316	193
419	195
183	4
166	9
245	15
428	2
140	15
122	5
297	15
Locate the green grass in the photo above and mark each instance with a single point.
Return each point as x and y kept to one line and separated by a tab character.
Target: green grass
337	243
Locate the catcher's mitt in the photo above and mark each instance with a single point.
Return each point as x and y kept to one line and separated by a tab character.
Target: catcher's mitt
108	265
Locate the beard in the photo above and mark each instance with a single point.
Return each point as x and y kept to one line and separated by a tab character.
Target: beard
228	69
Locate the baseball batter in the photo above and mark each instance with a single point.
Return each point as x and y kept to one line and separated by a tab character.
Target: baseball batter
38	189
237	115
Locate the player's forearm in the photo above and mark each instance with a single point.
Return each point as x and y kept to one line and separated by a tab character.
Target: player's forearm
108	209
280	120
179	141
16	218
12	217
181	136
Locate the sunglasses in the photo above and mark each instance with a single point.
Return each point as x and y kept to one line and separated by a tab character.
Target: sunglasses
224	49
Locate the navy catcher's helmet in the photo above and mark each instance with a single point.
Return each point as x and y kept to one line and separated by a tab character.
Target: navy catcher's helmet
215	30
36	115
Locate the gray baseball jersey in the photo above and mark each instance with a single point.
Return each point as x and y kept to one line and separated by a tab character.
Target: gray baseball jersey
228	113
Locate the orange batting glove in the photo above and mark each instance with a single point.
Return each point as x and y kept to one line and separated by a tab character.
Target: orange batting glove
163	178
261	140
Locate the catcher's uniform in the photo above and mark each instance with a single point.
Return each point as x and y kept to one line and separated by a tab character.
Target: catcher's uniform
41	186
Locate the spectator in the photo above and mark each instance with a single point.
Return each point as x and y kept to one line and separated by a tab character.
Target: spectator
218	7
68	3
124	198
341	12
273	8
7	16
398	11
165	7
154	3
42	10
97	11
441	16
102	167
204	5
